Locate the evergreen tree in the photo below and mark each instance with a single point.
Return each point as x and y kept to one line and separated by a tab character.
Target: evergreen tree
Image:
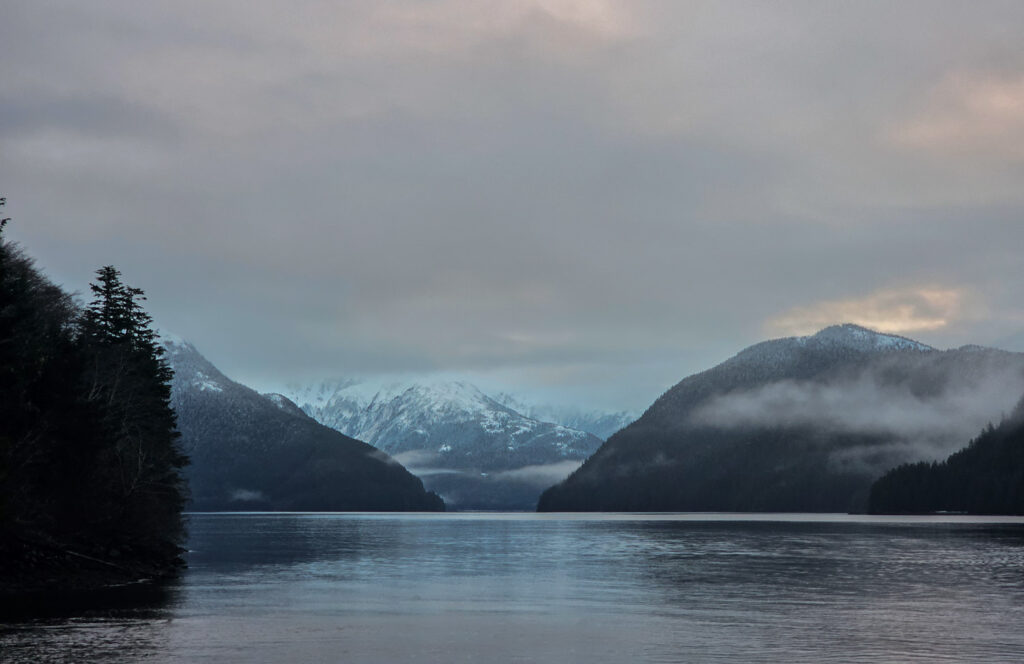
44	424
129	377
986	477
89	455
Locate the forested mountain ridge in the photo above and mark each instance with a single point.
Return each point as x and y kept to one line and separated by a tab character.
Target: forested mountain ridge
89	456
796	424
256	452
985	477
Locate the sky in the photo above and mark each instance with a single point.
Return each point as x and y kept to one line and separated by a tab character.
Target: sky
585	201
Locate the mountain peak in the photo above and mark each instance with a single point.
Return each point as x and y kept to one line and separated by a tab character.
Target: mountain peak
285	404
855	336
781	353
251	451
171	341
472	449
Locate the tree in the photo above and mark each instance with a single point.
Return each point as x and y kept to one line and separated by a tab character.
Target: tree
89	455
45	427
129	378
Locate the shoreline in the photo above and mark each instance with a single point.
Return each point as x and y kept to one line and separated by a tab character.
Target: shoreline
40	576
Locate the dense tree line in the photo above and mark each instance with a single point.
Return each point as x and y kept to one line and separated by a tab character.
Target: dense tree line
89	456
779	469
986	477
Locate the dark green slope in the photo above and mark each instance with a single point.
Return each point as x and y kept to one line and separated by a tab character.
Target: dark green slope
254	452
986	477
671	459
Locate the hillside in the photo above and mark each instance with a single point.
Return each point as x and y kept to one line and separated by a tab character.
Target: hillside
985	477
251	452
796	424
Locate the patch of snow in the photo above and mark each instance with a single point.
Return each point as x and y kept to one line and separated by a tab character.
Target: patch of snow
205	383
169	339
453	417
855	336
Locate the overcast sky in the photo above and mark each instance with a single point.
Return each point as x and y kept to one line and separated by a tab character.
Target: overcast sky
586	200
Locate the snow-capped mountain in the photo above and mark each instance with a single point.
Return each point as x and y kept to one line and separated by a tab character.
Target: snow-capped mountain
250	451
452	435
838	340
601	423
862	339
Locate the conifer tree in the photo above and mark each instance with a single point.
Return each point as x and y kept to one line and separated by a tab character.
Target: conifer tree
89	456
43	425
129	377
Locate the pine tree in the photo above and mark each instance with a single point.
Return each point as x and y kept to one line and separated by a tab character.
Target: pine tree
89	456
45	428
129	378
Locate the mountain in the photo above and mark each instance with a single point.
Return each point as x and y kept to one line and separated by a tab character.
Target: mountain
986	477
600	423
795	424
253	452
474	451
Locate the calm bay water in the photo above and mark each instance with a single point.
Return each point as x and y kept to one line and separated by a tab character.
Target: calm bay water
561	588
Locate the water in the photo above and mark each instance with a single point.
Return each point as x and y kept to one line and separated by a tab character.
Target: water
556	588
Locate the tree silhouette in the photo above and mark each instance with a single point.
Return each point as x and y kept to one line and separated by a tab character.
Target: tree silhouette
89	454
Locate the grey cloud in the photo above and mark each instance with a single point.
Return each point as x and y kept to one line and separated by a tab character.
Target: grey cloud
380	455
917	424
247	495
527	192
542	476
110	117
423	463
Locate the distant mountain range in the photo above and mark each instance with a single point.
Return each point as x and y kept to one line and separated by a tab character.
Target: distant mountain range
597	422
477	452
796	424
254	452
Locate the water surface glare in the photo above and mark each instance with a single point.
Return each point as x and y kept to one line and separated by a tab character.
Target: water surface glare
385	588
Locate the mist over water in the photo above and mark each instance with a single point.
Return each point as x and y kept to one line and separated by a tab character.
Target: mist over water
554	588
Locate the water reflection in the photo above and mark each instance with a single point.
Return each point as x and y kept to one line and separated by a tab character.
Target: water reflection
439	588
852	592
116	625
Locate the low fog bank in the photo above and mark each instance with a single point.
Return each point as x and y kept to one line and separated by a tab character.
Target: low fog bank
911	421
473	489
424	463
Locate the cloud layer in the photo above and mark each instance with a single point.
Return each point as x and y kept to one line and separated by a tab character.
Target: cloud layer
593	197
916	423
895	311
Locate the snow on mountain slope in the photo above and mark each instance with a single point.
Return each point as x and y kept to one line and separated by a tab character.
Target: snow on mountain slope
847	339
251	451
454	421
601	423
863	339
285	404
452	434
